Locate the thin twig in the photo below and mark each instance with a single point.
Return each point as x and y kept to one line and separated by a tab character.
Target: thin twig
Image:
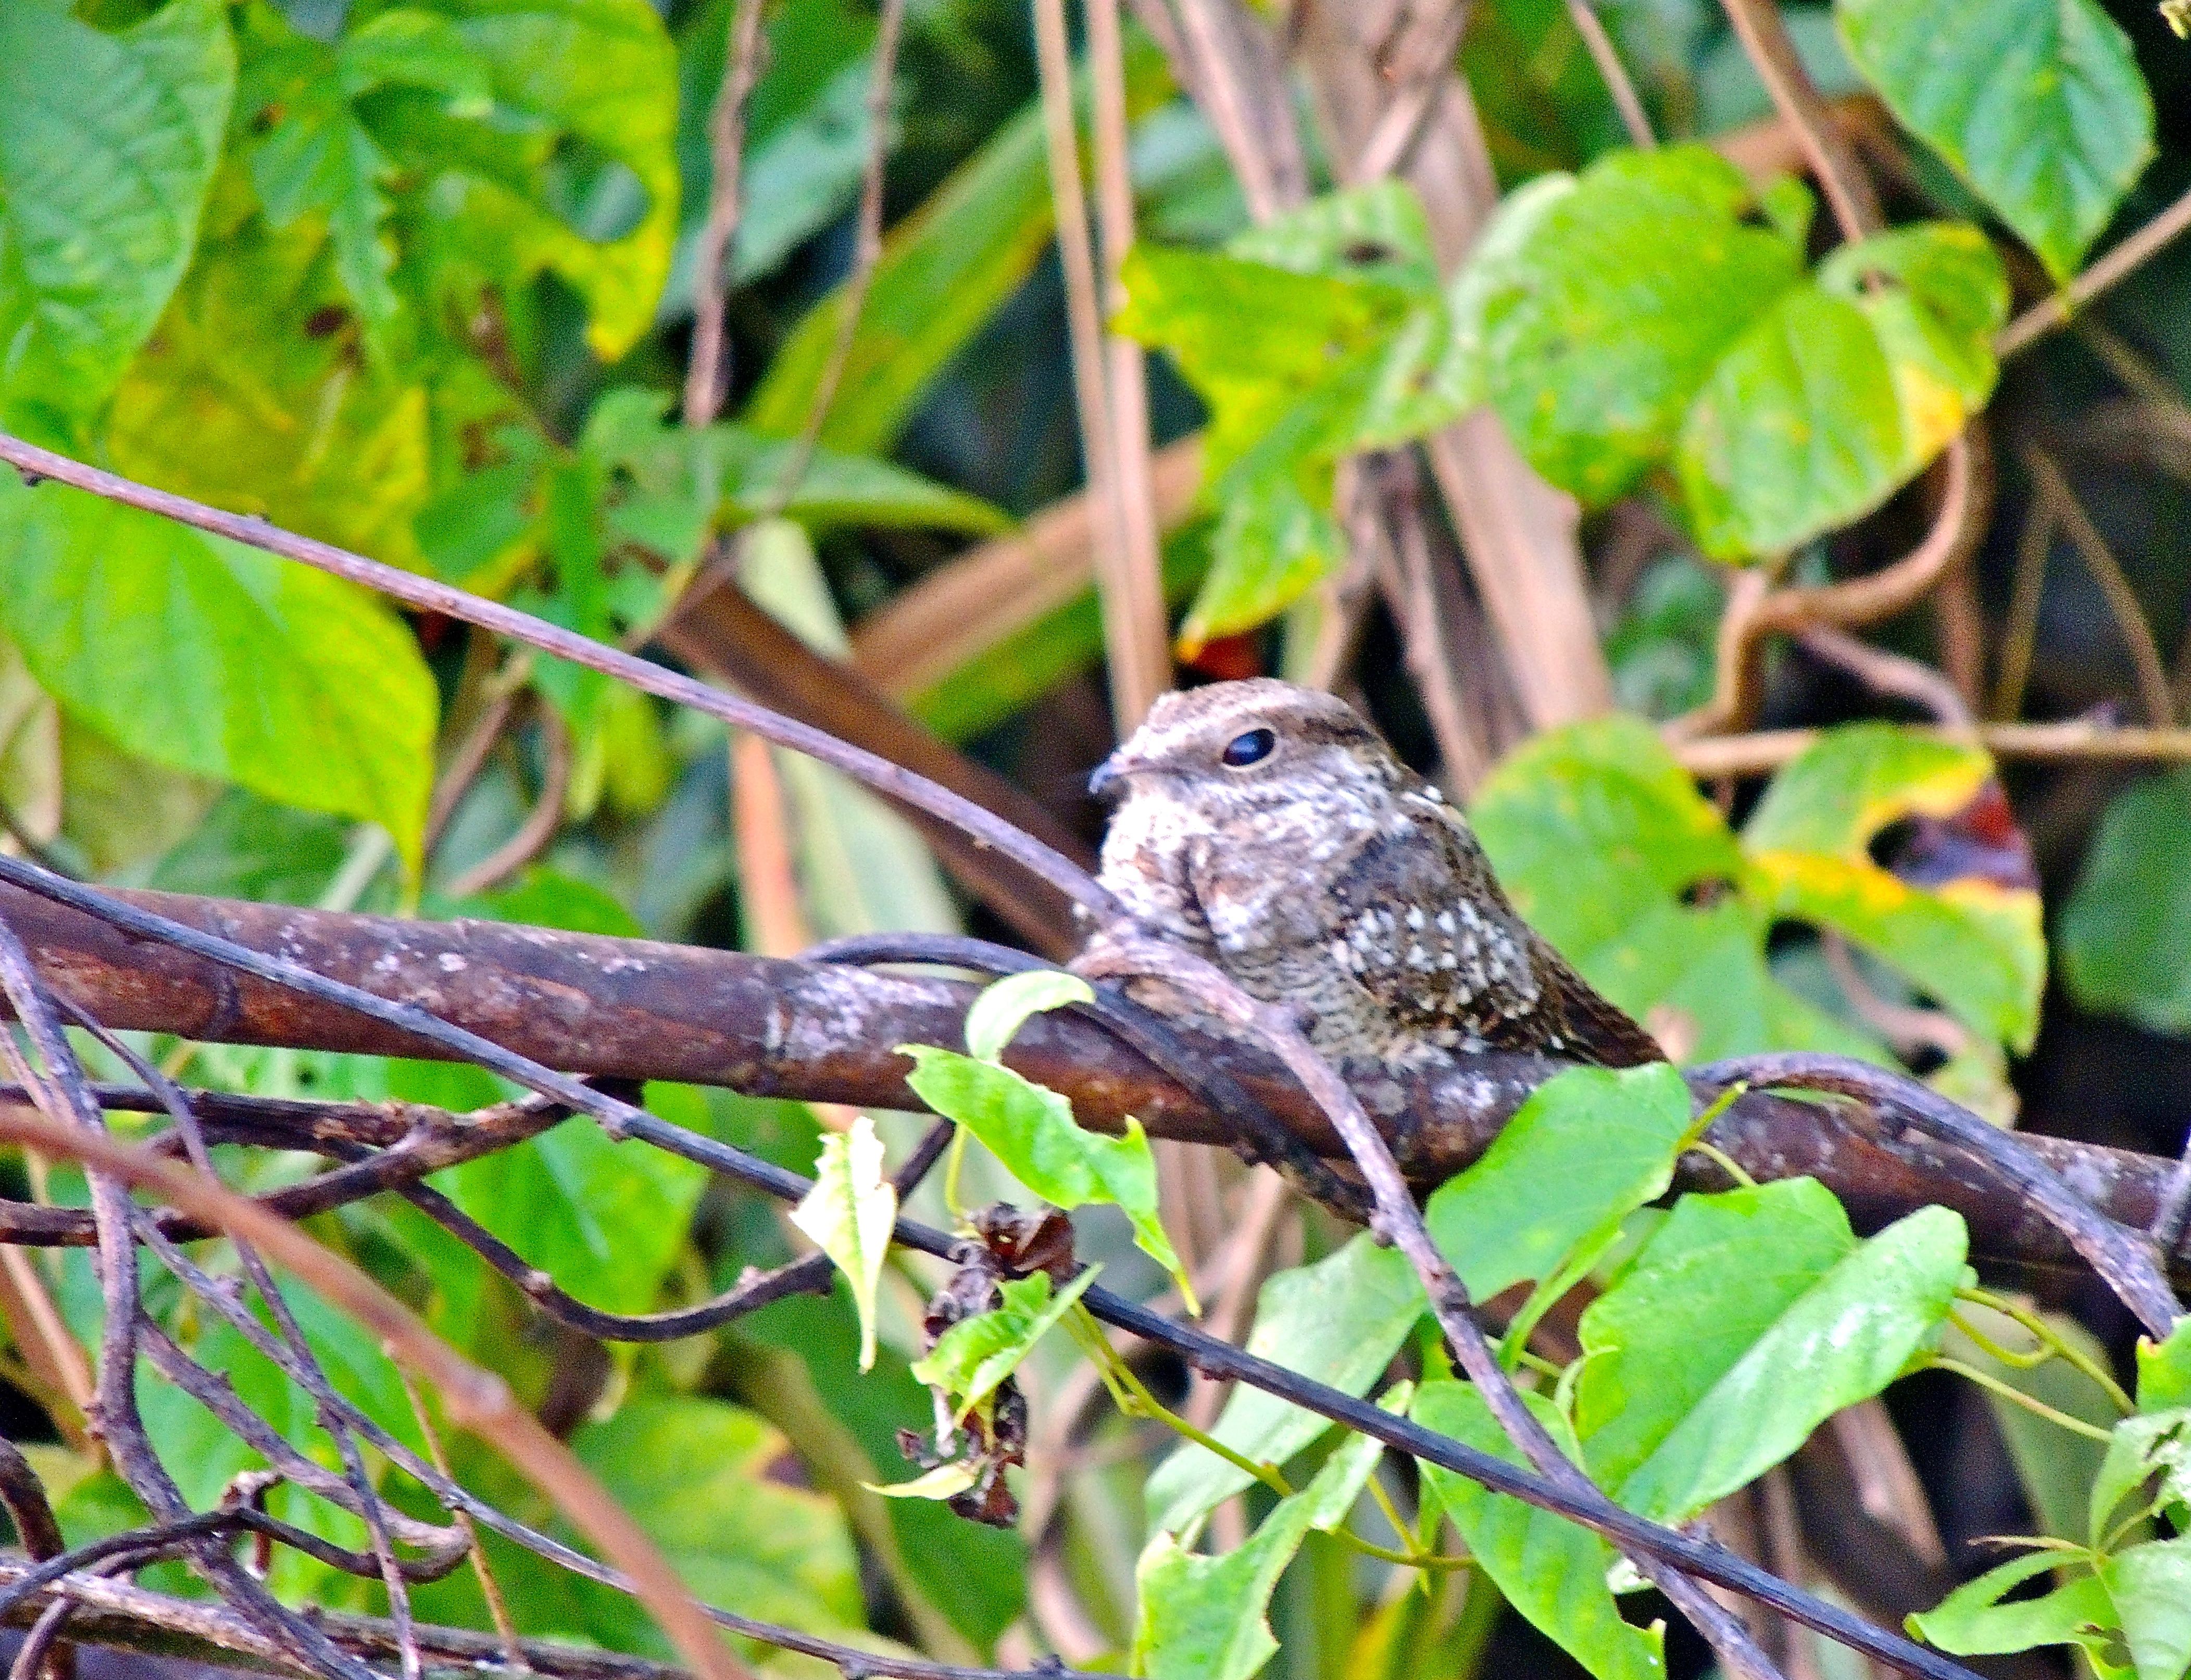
67	1109
1410	578
477	1399
498	692
2076	740
1755	610
1607	57
2154	694
313	1378
540	824
1132	588
1131	685
55	1358
1223	87
1421	69
851	298
2121	260
707	375
891	781
1888	672
128	1617
1834	164
2020	635
498	1608
2122	1260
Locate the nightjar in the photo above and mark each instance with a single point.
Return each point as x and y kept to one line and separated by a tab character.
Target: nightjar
1268	828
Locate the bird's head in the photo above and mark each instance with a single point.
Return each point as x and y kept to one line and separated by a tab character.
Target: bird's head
1258	745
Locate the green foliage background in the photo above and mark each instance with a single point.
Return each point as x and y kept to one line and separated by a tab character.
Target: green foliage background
418	279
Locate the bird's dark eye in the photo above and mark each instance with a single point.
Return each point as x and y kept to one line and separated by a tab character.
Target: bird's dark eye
1253	748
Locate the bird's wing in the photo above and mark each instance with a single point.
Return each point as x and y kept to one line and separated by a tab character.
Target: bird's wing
1426	930
1595	1028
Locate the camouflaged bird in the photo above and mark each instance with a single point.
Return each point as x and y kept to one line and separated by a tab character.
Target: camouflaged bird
1268	828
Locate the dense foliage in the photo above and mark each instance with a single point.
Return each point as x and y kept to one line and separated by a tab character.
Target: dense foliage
419	280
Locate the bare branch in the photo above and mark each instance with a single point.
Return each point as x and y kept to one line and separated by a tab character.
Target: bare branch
707	379
2076	740
2120	261
1607	57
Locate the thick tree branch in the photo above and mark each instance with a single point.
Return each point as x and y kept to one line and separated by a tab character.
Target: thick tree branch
638	1010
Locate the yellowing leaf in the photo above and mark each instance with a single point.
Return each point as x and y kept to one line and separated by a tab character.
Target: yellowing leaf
849	1213
946	1481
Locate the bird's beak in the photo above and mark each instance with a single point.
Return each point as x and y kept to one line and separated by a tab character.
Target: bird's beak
1110	775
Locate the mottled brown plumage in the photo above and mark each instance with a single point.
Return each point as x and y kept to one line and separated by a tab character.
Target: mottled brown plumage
1269	829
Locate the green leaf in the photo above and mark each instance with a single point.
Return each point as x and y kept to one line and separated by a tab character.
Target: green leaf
403	46
1936	293
1275	538
255	848
1974	945
121	811
318	158
108	145
541	897
1230	322
1032	1133
1587	1148
803	172
2128	920
696	1473
1839	395
1712	1281
2156	1445
1547	1569
994	1018
1373	232
210	658
2164	1371
1844	1339
667	485
1600	837
849	1213
972	1359
1202	1618
606	73
2038	103
1603	842
1611	314
2150	1585
1587	824
1974	1620
1339	1321
1319	335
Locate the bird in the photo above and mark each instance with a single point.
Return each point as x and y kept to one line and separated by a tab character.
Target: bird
1267	827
